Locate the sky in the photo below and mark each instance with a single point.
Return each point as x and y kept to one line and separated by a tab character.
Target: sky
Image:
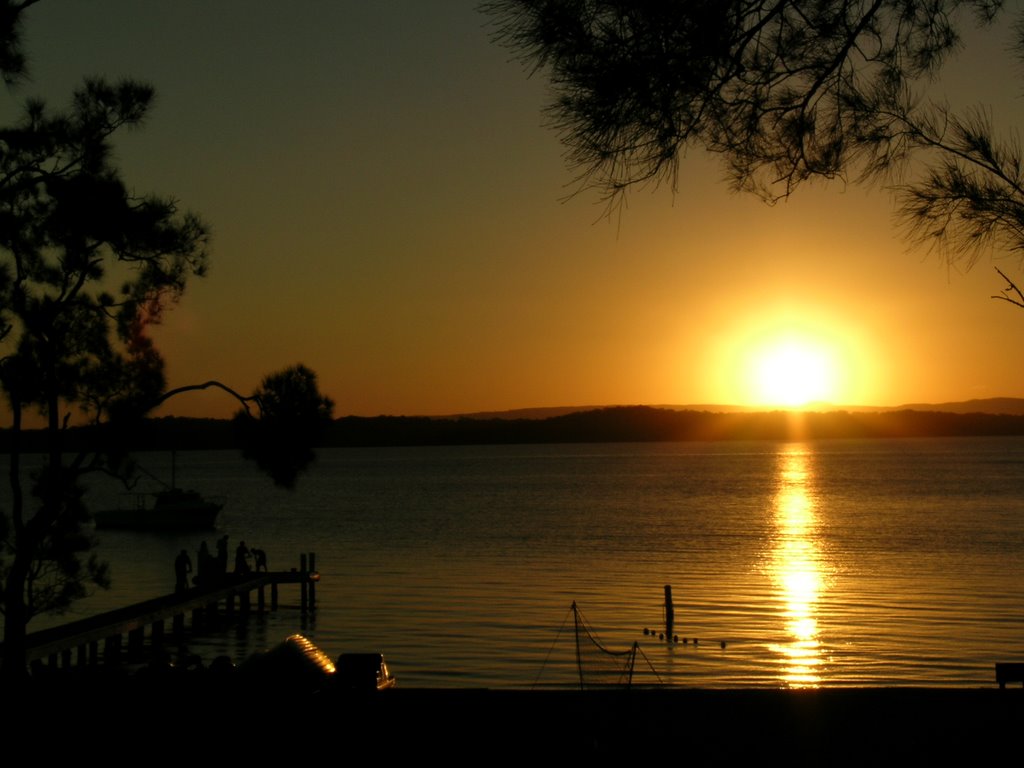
389	208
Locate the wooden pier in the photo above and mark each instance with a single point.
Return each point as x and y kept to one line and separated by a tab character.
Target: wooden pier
116	636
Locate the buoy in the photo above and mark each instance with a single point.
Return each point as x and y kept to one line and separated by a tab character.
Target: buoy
646	632
723	644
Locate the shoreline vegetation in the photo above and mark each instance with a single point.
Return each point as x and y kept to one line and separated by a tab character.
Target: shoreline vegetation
613	424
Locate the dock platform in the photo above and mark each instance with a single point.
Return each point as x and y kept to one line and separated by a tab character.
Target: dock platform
118	635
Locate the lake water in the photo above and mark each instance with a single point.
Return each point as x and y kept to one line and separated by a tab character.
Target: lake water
831	563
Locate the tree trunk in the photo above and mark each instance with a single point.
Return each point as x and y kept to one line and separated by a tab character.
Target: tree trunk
13	661
13	665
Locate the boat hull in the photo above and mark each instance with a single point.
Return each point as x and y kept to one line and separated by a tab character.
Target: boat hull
180	512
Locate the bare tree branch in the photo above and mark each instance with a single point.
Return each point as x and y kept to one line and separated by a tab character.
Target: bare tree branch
1008	292
207	385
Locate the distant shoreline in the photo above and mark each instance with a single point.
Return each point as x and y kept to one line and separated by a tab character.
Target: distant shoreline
600	425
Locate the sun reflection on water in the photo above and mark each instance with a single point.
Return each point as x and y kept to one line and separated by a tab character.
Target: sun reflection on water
796	569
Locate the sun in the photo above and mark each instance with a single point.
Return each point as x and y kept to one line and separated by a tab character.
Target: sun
791	358
793	370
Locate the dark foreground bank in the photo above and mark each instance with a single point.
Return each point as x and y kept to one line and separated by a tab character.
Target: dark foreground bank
822	727
702	726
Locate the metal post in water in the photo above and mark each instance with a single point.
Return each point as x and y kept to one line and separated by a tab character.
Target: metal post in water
670	614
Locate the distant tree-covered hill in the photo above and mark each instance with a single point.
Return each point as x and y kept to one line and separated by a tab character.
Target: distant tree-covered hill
614	424
646	424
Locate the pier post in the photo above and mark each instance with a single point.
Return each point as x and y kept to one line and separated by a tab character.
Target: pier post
135	642
670	613
112	650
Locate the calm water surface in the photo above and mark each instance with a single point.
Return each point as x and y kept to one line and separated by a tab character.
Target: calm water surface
883	562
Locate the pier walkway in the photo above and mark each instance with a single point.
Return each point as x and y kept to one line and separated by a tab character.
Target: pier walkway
80	642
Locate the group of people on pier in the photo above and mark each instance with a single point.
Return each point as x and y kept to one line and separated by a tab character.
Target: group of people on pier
213	568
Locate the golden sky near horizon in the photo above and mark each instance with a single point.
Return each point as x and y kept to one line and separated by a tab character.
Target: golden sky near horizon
388	209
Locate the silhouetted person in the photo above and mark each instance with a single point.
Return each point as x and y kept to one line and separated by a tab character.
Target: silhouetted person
204	565
259	560
222	556
182	568
242	558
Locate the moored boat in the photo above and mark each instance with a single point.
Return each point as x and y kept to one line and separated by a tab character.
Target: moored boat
170	509
173	509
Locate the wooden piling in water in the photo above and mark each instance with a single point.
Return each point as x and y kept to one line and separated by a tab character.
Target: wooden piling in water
670	613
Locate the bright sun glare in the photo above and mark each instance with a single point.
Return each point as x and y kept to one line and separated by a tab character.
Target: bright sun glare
791	358
793	371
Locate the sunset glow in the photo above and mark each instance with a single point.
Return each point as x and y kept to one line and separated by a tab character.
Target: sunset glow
431	255
795	357
794	371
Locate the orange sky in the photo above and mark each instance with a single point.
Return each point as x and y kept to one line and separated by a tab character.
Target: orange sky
387	209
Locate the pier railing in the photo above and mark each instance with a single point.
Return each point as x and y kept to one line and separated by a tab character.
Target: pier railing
121	634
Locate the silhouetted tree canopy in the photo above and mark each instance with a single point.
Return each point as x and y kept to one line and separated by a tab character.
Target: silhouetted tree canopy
292	416
87	266
12	59
784	92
